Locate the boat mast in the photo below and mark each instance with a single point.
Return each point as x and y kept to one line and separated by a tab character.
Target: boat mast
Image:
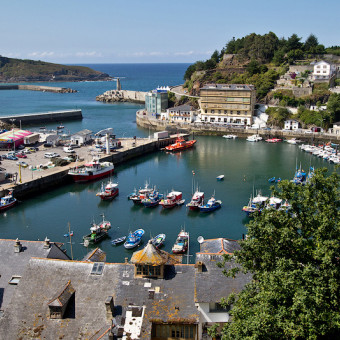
69	232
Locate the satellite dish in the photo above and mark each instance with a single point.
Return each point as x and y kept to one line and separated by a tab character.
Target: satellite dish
200	239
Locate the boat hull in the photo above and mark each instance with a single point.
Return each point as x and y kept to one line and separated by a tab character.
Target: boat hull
8	206
210	209
97	238
78	178
108	196
184	146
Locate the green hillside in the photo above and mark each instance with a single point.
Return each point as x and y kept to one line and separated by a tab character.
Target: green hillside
18	70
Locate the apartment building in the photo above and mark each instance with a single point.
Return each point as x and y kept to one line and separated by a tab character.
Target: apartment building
227	104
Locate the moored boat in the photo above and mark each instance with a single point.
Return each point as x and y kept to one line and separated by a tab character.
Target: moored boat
173	199
134	239
255	204
137	197
182	243
91	171
254	138
196	201
7	201
229	136
109	192
158	240
118	240
98	232
211	205
152	199
300	176
180	144
220	177
273	140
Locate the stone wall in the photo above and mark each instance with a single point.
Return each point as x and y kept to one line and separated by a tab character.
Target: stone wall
122	96
37	88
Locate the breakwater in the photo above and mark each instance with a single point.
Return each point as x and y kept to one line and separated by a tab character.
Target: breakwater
44	117
54	177
147	122
38	88
122	96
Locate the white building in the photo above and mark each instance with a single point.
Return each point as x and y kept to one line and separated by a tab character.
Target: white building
292	124
81	137
323	70
180	114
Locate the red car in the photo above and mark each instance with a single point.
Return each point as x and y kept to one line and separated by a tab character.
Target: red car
21	155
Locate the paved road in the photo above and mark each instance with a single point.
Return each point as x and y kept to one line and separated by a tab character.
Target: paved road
179	90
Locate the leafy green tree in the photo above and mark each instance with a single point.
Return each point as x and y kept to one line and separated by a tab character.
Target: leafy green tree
277	116
333	106
311	43
294	261
293	43
215	56
190	70
253	67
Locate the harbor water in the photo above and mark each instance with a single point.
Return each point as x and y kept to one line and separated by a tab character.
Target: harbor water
246	167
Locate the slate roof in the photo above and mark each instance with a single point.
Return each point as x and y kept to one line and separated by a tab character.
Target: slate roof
152	256
181	108
96	255
37	286
61	298
12	263
219	246
211	284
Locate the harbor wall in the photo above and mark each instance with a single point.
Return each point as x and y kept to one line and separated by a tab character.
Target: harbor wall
42	88
44	117
122	96
210	129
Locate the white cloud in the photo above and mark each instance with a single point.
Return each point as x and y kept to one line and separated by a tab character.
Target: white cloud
41	54
184	53
88	54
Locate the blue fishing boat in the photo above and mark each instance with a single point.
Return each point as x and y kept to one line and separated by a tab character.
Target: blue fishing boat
271	180
68	234
300	176
278	180
255	204
310	174
134	239
211	205
152	200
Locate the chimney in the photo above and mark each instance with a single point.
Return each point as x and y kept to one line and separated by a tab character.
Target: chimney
126	260
47	243
110	306
199	266
17	246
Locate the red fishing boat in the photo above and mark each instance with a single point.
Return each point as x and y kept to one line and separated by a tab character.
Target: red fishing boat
197	200
180	144
109	192
91	171
182	243
173	199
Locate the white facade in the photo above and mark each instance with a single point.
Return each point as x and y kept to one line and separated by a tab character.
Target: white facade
217	119
180	114
323	70
81	137
291	124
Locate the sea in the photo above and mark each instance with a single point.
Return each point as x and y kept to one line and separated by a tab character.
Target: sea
246	167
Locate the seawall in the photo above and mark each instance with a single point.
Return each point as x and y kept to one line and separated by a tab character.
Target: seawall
44	117
122	96
210	129
54	177
37	88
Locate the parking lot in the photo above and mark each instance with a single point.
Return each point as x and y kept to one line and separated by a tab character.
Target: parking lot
38	165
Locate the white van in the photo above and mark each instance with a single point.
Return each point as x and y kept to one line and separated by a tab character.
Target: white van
68	149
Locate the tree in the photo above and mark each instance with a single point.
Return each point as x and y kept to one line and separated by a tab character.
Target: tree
293	43
333	106
294	260
311	43
190	70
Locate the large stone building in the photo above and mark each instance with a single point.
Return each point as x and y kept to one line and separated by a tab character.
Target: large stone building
227	104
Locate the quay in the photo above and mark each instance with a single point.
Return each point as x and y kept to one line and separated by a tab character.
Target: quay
35	182
42	88
204	129
44	117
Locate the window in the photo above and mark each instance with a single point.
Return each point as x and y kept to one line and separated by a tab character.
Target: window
14	280
219	111
231	112
215	307
225	112
225	120
212	120
212	111
219	119
238	112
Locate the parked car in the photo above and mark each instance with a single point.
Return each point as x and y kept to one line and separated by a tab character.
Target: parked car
22	163
51	155
68	149
48	145
32	149
12	157
21	155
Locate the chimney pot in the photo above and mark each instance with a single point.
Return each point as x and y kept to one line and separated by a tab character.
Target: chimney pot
17	246
47	243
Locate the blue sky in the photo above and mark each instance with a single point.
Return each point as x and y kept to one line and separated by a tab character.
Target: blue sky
132	31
